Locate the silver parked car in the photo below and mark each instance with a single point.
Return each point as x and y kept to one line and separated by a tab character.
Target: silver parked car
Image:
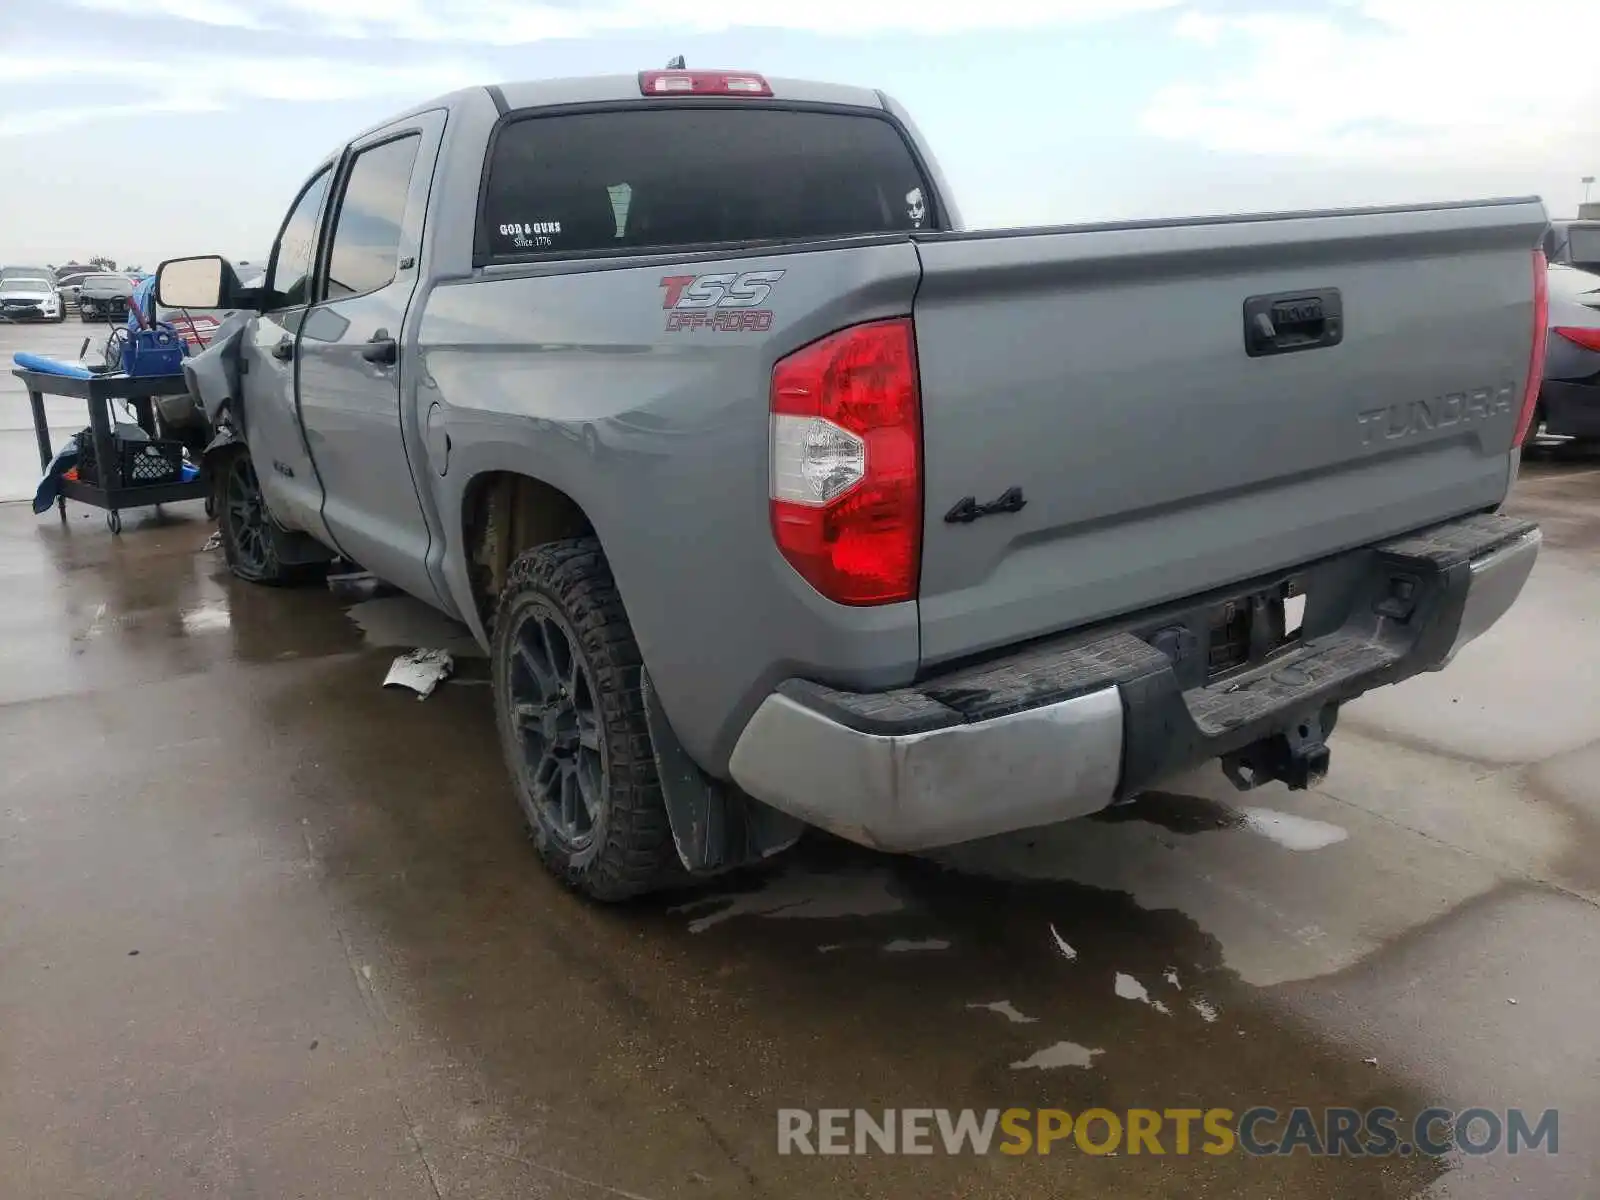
1569	399
27	295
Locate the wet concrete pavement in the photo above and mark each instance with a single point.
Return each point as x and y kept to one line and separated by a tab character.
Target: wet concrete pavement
267	930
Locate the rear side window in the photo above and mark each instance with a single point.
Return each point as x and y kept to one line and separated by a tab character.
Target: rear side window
366	236
650	178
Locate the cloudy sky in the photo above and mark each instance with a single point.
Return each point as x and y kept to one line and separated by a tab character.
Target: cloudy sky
1040	110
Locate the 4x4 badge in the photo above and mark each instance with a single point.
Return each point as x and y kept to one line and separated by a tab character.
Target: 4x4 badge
967	509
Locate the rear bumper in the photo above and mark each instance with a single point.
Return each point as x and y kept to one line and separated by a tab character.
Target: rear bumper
1064	728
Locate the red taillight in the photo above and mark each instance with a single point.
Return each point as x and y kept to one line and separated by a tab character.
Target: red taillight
702	83
1589	339
1541	320
846	446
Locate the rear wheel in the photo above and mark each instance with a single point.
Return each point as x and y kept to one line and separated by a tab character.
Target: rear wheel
567	678
251	540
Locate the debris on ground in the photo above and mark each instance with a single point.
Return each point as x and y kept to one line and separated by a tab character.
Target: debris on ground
1371	1062
420	670
214	542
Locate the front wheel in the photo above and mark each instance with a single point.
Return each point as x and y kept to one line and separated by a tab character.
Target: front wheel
567	678
251	539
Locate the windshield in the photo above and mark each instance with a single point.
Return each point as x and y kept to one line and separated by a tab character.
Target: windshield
107	281
26	281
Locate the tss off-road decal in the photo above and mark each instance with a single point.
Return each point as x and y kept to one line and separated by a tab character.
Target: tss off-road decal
722	301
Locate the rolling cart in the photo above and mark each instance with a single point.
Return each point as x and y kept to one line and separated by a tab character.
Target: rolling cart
116	486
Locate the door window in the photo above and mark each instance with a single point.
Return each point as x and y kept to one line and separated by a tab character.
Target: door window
366	233
295	257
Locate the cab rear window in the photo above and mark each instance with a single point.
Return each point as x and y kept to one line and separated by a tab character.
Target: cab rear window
643	179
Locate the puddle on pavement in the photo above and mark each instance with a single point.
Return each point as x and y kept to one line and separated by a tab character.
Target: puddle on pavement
1129	988
1293	832
400	622
915	945
1006	1009
1062	1054
1189	815
206	617
801	895
1174	812
775	987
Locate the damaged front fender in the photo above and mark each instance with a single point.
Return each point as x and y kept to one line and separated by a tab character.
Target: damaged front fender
214	375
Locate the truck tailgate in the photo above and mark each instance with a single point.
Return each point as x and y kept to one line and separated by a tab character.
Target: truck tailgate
1103	372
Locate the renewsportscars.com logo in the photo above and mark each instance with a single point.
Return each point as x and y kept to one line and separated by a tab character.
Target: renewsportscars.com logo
723	301
1257	1132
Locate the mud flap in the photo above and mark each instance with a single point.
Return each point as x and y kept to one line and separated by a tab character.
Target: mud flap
715	826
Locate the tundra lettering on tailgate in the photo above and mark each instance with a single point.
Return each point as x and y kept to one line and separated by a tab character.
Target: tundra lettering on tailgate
723	301
1420	416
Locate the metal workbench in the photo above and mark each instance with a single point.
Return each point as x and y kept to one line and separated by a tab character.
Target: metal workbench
100	392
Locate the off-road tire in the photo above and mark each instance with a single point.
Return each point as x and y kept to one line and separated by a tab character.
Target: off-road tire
630	849
253	559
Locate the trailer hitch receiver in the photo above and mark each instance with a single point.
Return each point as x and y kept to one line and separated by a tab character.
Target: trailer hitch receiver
1298	757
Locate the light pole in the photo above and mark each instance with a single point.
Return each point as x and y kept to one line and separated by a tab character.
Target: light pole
1587	180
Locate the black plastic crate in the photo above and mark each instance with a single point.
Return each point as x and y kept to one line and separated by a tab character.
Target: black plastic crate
156	461
143	463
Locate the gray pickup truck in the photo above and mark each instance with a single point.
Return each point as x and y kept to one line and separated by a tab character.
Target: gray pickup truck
778	499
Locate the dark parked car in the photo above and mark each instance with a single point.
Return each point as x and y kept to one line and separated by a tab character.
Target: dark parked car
1569	400
104	296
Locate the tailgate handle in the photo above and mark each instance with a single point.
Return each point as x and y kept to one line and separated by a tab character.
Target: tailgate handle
1291	321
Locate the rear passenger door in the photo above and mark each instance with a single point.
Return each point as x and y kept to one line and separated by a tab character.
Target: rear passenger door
354	377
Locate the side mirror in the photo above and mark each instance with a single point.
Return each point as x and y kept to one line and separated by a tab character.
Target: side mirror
204	282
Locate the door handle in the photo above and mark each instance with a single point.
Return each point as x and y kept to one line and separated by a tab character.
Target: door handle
380	348
284	350
1293	321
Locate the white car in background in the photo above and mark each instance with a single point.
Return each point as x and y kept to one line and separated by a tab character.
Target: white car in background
30	295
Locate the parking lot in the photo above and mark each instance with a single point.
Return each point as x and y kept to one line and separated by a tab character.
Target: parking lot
267	929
